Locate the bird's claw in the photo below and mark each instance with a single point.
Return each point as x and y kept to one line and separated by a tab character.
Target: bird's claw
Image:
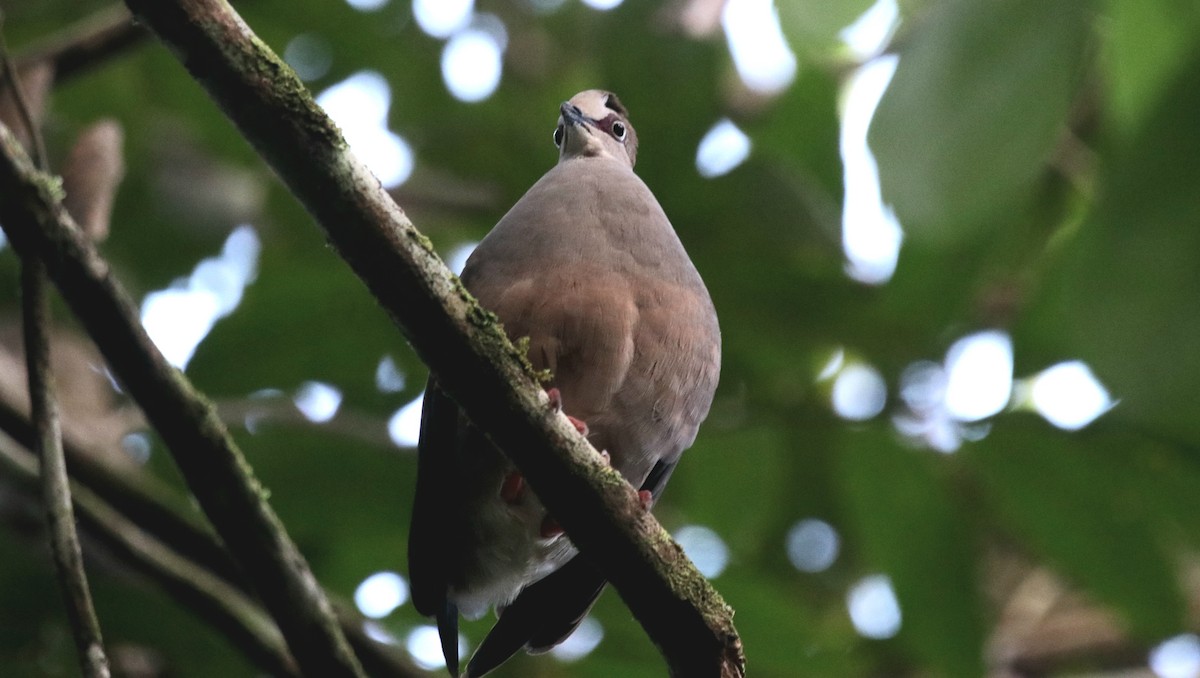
556	404
550	528
555	397
512	488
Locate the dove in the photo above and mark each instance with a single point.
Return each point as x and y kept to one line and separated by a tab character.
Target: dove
587	269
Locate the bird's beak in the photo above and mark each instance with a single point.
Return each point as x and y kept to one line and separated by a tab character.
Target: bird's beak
571	114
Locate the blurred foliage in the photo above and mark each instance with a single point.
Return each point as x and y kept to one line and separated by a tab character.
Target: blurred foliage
1042	156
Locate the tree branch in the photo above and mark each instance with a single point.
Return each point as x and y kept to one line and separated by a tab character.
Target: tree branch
148	503
225	607
56	493
149	509
461	343
281	411
47	439
87	43
216	472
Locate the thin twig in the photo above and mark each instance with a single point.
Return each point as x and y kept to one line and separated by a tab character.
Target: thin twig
462	344
217	473
225	607
13	87
148	502
149	505
254	412
56	491
86	43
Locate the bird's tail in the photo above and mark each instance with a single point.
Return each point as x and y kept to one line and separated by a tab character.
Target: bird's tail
447	621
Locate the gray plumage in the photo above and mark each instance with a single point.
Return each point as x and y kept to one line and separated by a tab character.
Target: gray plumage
587	266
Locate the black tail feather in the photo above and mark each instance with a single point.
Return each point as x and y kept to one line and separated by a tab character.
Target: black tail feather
541	617
447	621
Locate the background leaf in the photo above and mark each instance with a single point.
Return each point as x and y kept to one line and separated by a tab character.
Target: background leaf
982	90
929	555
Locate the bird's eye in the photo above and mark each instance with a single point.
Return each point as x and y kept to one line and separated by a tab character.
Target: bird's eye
618	131
558	136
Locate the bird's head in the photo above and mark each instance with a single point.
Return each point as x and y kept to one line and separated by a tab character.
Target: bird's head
594	123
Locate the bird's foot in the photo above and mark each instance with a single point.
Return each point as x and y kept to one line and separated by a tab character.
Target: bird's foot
646	498
555	397
513	487
550	528
556	404
579	424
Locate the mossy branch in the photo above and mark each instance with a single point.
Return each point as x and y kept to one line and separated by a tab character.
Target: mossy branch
474	361
152	530
47	439
37	225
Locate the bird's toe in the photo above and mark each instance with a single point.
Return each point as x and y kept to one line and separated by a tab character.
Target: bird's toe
513	487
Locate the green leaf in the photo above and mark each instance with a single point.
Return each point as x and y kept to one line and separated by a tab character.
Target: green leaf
977	104
813	26
715	478
1126	297
1148	43
787	636
911	527
1082	503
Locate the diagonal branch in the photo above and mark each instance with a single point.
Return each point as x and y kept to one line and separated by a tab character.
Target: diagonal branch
460	342
32	214
140	496
56	491
86	43
210	597
141	520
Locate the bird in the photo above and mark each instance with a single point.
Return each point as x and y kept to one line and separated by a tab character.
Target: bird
588	272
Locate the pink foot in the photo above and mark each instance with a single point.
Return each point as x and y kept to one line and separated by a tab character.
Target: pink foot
579	424
555	397
550	528
512	488
556	404
646	497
